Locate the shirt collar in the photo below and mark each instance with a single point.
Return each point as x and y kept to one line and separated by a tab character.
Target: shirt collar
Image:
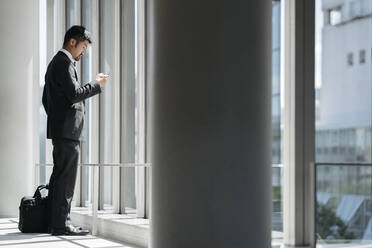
69	56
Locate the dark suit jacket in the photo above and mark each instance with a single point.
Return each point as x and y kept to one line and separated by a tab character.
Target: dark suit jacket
63	99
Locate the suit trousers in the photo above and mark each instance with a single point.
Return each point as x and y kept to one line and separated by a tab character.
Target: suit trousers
62	181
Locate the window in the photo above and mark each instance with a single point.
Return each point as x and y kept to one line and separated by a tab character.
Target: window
350	60
355	9
114	128
362	56
109	125
343	129
335	16
277	170
43	116
88	64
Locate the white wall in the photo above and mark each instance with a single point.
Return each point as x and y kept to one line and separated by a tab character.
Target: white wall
345	97
19	99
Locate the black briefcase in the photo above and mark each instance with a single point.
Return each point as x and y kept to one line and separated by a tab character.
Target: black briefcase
33	212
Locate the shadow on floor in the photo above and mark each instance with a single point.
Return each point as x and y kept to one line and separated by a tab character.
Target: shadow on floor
11	237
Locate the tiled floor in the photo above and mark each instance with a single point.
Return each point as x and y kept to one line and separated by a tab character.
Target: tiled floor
11	237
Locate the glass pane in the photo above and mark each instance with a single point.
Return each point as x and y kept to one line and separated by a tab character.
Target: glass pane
72	13
277	205
43	116
276	108
276	25
344	205
87	76
129	106
335	16
277	214
129	188
343	90
107	102
343	85
72	18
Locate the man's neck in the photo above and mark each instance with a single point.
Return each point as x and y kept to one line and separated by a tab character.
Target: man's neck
67	49
68	53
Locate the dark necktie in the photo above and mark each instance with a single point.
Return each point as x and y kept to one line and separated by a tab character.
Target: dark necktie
74	63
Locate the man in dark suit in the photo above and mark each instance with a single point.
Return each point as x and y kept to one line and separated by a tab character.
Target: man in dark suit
63	101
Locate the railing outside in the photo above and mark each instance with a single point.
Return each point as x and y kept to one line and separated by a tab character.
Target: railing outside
343	200
344	203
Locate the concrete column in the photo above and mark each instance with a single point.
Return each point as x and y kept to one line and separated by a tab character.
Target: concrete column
209	75
19	102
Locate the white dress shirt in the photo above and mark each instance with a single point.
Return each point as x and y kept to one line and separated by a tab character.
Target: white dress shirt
69	56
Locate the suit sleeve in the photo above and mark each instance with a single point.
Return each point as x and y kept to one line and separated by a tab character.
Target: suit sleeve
71	87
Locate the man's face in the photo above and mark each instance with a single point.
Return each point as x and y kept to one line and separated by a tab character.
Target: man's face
77	51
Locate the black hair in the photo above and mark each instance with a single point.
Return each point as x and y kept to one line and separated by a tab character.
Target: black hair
79	33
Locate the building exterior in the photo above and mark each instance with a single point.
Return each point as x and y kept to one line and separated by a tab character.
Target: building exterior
345	107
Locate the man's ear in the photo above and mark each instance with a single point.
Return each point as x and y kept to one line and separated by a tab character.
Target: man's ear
72	42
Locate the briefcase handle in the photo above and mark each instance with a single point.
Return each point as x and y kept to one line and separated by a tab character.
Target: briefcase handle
37	194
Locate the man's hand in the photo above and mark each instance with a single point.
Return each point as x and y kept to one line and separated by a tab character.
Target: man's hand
102	79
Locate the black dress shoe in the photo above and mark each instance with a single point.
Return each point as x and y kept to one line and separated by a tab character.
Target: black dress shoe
69	230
